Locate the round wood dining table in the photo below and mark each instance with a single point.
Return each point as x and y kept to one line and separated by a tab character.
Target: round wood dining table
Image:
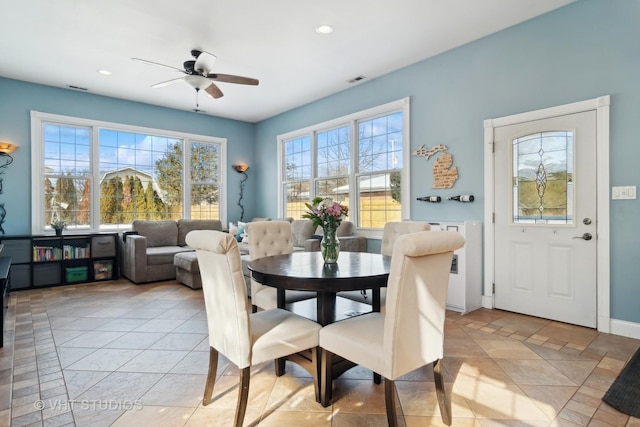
307	271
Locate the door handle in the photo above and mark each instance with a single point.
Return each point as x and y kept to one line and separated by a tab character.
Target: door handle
585	236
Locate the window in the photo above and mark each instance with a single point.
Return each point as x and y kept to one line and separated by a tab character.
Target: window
359	160
101	176
543	178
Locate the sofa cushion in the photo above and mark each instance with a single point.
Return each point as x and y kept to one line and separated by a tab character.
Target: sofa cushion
158	233
301	230
187	261
345	229
187	225
164	254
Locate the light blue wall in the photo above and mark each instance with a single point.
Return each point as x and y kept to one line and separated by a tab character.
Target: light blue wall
582	51
18	98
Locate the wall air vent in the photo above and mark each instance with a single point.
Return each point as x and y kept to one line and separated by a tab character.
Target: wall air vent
356	79
78	88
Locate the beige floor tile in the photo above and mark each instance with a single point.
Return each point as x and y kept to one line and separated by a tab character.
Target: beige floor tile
358	420
533	372
149	415
185	390
462	348
78	382
506	401
550	399
358	396
122	387
161	361
104	359
178	341
569	333
506	349
294	394
577	371
207	416
295	418
225	392
481	369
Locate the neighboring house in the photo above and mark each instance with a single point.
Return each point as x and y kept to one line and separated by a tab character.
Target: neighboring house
127	172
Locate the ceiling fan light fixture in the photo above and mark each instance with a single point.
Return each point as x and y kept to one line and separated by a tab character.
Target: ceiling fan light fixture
197	82
324	29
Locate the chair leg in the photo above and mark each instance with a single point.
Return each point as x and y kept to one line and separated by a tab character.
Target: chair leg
390	402
211	376
315	363
280	366
243	395
326	381
443	402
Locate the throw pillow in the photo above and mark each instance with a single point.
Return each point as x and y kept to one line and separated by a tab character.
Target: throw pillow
241	231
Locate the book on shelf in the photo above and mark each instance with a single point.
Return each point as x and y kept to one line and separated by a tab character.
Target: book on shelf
46	253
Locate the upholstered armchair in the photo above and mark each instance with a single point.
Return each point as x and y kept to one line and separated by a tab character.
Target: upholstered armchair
410	333
243	338
344	233
267	238
390	233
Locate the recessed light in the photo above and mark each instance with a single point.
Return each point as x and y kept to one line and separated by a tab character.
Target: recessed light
324	29
104	72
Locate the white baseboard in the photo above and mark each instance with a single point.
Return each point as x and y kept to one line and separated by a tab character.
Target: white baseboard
625	329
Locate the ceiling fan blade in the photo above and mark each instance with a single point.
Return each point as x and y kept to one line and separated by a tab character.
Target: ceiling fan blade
230	78
167	83
214	91
159	65
204	62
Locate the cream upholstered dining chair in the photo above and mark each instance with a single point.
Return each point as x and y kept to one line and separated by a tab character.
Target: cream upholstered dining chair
267	238
391	231
244	338
410	333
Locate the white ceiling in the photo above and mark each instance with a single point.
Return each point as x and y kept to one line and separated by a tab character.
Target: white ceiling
64	42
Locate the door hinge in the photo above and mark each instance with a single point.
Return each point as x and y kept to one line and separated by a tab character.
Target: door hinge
493	288
493	217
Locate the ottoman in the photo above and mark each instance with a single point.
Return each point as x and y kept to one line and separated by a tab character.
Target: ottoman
187	270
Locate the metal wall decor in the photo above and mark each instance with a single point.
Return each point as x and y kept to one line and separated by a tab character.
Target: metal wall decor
242	168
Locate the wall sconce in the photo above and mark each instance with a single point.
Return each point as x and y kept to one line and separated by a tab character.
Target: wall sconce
5	160
242	168
8	147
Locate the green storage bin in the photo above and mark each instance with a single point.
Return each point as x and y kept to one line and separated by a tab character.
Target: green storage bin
77	274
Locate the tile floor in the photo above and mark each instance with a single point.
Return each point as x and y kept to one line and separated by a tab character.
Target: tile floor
114	353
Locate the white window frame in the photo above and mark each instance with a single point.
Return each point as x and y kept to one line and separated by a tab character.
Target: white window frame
39	119
351	120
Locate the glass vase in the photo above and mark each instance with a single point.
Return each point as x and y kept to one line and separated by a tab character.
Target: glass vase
330	245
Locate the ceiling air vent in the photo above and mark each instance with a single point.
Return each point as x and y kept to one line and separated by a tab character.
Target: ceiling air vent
356	79
78	88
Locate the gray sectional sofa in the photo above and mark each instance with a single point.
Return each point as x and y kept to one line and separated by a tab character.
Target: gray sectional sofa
148	251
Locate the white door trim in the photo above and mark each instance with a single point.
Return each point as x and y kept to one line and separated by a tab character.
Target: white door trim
601	105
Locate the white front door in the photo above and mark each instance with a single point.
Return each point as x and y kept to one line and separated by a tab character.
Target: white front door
546	217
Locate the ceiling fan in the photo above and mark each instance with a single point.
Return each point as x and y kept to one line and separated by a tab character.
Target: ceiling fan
197	73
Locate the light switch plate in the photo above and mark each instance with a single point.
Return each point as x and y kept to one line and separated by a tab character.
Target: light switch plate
620	193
